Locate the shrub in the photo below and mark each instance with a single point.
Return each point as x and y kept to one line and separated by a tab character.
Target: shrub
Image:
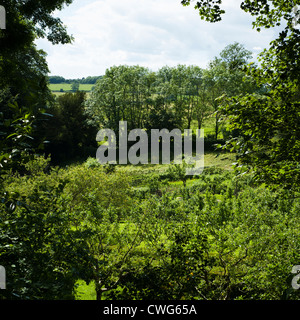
92	163
41	252
38	164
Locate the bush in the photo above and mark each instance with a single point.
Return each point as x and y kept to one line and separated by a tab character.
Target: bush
37	165
92	163
40	250
220	238
230	247
46	223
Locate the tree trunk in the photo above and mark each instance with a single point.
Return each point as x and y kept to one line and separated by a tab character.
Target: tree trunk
217	127
99	290
99	294
189	122
199	123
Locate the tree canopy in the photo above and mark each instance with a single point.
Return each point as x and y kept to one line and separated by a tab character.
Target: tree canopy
172	97
29	19
268	122
25	95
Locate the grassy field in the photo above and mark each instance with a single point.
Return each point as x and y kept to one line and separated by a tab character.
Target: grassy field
66	87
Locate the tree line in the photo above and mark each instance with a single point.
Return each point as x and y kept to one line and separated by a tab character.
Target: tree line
87	80
172	97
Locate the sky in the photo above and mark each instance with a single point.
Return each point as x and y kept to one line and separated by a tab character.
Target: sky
149	33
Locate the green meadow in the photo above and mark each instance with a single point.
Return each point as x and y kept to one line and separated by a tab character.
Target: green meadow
66	87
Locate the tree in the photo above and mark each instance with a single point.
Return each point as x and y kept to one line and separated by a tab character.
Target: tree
75	86
68	131
225	76
24	85
203	108
182	80
160	118
268	121
23	71
90	80
180	91
56	79
167	89
30	19
235	56
35	232
99	203
121	94
103	106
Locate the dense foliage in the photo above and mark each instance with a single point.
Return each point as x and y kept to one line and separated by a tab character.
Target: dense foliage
269	121
87	80
143	236
172	97
67	131
25	95
150	233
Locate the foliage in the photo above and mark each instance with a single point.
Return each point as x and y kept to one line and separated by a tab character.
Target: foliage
268	140
226	76
98	205
60	79
23	68
75	86
15	133
268	13
212	248
178	172
56	79
92	163
173	97
28	18
67	130
220	237
122	93
94	187
24	98
41	252
145	236
267	121
24	92
37	240
49	232
37	165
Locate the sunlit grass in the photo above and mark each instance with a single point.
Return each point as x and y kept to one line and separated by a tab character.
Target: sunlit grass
68	87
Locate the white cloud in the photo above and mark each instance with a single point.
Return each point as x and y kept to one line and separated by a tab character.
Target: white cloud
152	33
